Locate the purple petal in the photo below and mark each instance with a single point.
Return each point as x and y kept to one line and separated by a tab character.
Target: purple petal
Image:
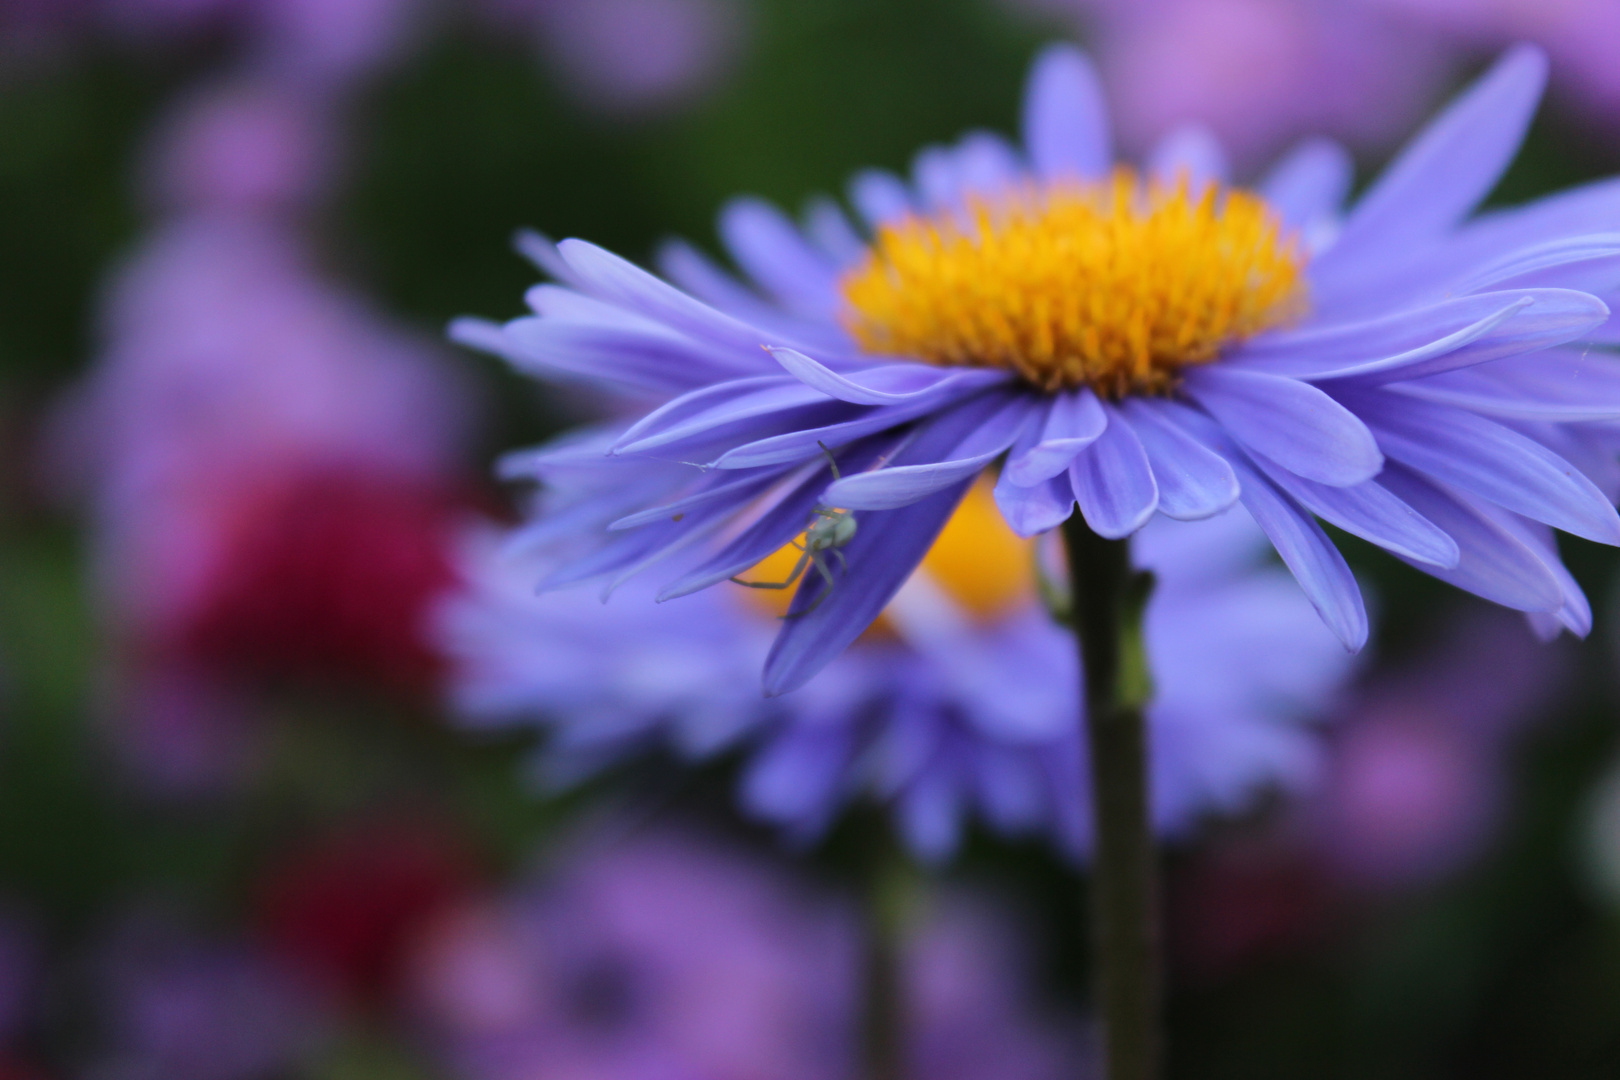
1310	183
1113	481
798	777
879	197
1494	462
930	815
1306	550
781	523
540	250
1033	510
986	164
1194	481
887	384
1588	264
770	248
606	275
1444	173
699	275
1576	611
1291	422
935	177
990	425
654	360
1372	513
884	552
703	411
830	230
1075	420
1491	562
1558	385
742	490
1450	334
1066	116
1191	151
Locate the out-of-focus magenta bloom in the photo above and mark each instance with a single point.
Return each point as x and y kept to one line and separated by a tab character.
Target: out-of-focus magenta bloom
661	955
1418	776
631	56
34	34
1581	36
343	910
175	1005
1261	73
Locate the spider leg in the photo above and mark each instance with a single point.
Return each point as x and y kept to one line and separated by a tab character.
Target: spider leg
820	563
786	583
843	563
831	464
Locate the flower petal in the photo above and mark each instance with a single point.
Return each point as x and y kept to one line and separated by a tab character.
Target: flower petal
1306	550
1557	385
1074	422
1033	510
988	434
887	384
1293	423
1310	183
772	251
1113	481
879	197
1370	512
1494	462
605	275
1192	152
1419	341
1491	562
1444	173
1066	116
1194	481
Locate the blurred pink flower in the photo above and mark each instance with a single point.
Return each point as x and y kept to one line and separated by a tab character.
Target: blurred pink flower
663	955
1259	73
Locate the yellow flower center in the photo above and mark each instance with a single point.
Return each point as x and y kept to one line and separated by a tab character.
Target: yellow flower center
1117	285
983	566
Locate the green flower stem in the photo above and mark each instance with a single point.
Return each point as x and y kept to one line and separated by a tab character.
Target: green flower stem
890	901
1107	600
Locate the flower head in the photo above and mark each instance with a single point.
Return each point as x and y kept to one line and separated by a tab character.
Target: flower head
1432	381
959	702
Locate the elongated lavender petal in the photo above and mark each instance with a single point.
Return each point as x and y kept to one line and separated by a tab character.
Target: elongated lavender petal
1113	482
1066	131
1194	482
1293	423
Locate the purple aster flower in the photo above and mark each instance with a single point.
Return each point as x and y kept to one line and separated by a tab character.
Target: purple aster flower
960	702
1132	343
666	954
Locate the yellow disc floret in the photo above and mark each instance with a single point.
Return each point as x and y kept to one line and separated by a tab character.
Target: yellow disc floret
1117	285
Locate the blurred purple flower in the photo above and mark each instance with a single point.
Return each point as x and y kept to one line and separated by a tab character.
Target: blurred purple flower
1581	36
1260	73
1418	773
663	956
955	705
35	34
177	1006
634	56
250	146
